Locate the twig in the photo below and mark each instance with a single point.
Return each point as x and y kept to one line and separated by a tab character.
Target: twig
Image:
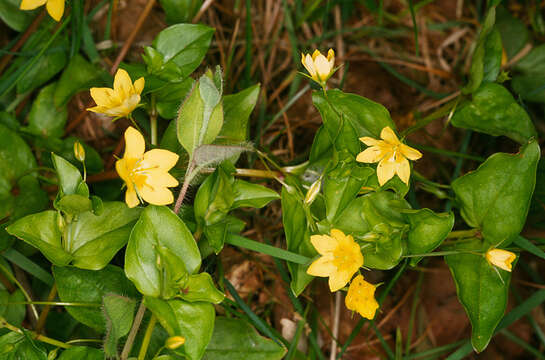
132	36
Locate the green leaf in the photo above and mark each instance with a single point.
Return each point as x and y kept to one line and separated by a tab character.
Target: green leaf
378	214
74	204
530	87
495	198
45	118
12	312
360	117
237	109
41	231
81	353
199	121
87	286
493	111
184	45
200	287
15	346
79	75
194	321
180	11
514	33
533	62
171	96
119	313
48	65
476	72
16	159
252	195
157	227
209	155
218	233
15	18
70	179
427	231
215	197
480	290
236	339
297	237
341	185
95	239
493	51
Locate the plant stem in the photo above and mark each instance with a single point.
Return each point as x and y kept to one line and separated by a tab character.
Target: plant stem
153	120
462	234
189	175
25	293
42	338
147	338
134	329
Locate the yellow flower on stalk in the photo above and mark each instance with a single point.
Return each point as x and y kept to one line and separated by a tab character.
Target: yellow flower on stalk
391	154
122	99
341	258
501	258
361	298
146	173
55	8
318	66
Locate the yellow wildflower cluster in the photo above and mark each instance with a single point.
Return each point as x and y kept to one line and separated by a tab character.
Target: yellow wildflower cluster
340	259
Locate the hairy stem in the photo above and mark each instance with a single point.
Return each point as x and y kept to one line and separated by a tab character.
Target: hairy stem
134	330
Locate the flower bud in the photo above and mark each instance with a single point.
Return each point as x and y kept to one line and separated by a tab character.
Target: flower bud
501	258
79	151
61	223
313	191
174	342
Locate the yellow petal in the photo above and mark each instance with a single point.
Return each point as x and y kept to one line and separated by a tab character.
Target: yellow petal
338	235
156	195
322	67
134	144
98	109
122	170
372	154
409	152
55	8
102	96
123	84
369	141
160	178
31	4
323	243
338	279
308	63
361	298
388	135
161	158
403	170
386	170
323	266
130	197
139	85
331	58
315	54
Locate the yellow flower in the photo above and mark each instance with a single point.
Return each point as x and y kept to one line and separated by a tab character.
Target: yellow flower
174	342
341	258
146	174
391	155
55	8
501	258
318	66
361	298
122	99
